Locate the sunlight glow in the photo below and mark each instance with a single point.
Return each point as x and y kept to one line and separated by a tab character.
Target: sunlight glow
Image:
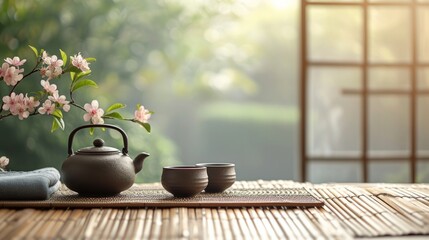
283	4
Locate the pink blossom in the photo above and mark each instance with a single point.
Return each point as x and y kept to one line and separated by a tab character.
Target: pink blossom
49	88
43	71
61	100
4	161
80	62
44	55
3	69
10	102
53	69
52	61
46	59
12	76
47	108
31	103
53	72
15	61
55	62
66	107
22	112
142	114
20	98
94	113
20	107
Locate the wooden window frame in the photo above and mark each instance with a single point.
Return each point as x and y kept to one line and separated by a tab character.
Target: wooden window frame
364	94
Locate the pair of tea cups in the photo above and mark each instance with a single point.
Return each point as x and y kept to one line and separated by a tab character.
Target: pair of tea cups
188	181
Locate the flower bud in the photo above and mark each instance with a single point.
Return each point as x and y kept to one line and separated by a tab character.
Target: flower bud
4	161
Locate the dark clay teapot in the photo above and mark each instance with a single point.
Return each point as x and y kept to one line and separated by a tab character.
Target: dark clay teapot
100	170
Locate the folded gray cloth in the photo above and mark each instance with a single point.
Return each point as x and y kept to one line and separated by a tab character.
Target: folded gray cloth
32	185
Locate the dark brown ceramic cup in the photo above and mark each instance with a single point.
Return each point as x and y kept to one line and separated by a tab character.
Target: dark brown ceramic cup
221	176
184	181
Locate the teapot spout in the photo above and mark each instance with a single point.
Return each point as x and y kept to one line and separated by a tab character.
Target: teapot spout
138	161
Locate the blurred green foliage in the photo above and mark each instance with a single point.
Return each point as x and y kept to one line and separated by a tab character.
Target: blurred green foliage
256	136
174	57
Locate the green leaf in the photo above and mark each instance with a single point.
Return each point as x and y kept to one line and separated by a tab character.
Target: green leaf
57	123
91	131
62	124
57	113
82	74
72	76
73	69
37	95
90	59
40	94
145	125
83	83
115	106
114	115
64	57
34	50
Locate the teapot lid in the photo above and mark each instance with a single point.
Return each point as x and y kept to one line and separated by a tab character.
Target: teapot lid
98	148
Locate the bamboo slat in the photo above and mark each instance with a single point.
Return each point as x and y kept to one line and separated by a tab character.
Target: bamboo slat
250	224
274	223
140	224
192	223
216	223
244	228
183	224
155	232
258	223
226	229
148	223
123	224
131	227
17	223
101	224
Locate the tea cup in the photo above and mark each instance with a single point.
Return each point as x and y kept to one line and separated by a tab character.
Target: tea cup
221	176
184	181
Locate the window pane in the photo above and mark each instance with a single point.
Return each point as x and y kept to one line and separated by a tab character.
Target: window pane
335	33
423	78
334	118
423	34
423	171
320	172
389	37
389	172
389	124
388	78
422	126
422	113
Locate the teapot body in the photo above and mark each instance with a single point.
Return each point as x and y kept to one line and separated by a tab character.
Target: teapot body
100	170
104	175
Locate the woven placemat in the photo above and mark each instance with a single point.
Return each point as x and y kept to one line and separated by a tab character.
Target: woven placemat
153	195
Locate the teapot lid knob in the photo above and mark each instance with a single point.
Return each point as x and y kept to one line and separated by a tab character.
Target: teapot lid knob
98	142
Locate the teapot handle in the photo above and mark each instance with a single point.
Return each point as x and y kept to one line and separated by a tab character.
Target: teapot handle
124	135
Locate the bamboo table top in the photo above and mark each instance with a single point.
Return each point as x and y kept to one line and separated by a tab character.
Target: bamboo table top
350	211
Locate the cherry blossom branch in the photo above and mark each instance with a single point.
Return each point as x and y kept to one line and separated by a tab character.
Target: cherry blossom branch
4	116
51	67
77	105
35	69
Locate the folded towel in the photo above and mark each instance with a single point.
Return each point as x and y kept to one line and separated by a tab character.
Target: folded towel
33	185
